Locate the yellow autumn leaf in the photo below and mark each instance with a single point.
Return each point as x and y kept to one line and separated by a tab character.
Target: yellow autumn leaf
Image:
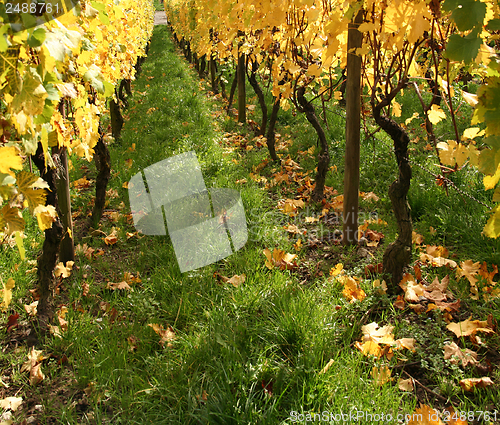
396	109
45	216
469	384
7	293
470	98
32	188
64	270
11	219
335	271
436	114
9	159
472	132
469	327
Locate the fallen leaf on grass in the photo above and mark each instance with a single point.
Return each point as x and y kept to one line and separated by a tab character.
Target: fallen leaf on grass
11	403
12	322
338	269
64	270
7	293
133	343
236	280
31	308
119	285
352	291
453	352
424	415
279	258
406	385
380	341
33	366
82	183
61	316
166	335
469	327
112	238
470	384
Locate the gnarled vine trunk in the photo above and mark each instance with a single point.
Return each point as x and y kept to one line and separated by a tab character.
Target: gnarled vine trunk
324	156
47	261
103	163
252	78
398	254
271	139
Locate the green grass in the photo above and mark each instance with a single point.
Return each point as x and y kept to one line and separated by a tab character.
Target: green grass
250	354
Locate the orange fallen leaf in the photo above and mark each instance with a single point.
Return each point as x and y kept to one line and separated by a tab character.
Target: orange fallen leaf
166	335
453	352
119	285
469	327
470	384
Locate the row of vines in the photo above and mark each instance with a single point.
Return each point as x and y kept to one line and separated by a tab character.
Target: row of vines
365	53
57	76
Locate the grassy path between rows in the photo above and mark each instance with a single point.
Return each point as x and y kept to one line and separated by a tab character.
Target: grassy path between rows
191	348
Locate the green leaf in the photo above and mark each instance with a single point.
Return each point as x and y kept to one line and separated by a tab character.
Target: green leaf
463	48
32	96
467	14
489	159
493	25
37	38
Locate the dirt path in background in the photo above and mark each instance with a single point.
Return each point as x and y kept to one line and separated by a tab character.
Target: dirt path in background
160	18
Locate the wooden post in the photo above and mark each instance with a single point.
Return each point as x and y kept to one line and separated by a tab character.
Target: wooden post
353	118
67	247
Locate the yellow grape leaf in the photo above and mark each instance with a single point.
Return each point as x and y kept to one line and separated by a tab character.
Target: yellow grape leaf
381	375
7	293
45	216
32	188
409	120
396	109
492	227
436	114
472	132
470	98
491	181
9	159
64	270
32	97
11	219
469	327
469	384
